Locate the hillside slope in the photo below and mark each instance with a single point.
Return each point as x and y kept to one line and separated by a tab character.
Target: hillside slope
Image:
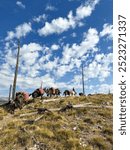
87	127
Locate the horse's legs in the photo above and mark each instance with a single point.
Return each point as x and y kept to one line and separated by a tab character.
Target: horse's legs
41	96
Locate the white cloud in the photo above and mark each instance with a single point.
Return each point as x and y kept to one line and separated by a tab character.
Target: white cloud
50	7
99	57
60	24
35	82
55	47
40	18
100	68
63	69
20	31
44	59
83	11
107	31
74	54
20	4
10	35
29	67
78	51
103	88
50	65
29	59
86	10
56	26
31	47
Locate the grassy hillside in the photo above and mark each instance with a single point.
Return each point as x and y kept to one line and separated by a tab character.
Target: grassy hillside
87	128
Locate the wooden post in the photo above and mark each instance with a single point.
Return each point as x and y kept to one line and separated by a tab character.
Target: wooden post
16	72
83	79
10	89
41	84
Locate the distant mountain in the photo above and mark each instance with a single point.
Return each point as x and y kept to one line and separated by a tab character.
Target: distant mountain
3	100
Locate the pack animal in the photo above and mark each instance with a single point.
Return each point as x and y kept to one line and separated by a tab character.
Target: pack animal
21	99
69	92
37	93
52	92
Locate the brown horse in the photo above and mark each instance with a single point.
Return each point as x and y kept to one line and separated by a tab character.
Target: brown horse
38	92
52	92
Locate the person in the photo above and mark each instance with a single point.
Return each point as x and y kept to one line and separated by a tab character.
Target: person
74	92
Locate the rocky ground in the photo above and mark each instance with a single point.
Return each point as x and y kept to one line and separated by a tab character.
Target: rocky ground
87	126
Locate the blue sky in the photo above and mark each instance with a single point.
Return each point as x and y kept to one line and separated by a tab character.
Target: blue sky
56	38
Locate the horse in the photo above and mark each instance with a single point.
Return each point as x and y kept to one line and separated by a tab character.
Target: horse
81	94
52	92
69	92
21	99
38	92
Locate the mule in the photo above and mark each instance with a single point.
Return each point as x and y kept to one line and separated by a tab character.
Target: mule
69	92
38	93
52	92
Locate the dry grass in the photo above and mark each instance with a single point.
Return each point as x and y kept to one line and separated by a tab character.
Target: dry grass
76	129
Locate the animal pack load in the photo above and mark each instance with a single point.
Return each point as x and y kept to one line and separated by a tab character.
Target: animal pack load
38	92
21	98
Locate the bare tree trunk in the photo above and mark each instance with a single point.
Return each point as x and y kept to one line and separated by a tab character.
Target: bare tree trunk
16	72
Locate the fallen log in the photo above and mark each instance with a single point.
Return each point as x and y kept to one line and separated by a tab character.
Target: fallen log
28	114
85	105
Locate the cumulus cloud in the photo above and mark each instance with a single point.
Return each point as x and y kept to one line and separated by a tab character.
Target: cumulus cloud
20	31
29	57
26	82
29	54
107	31
55	47
20	4
88	44
60	24
103	88
50	66
73	55
44	63
86	10
100	69
63	69
102	64
31	47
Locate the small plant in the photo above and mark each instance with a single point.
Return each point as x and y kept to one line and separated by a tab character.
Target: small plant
89	120
44	132
63	134
108	131
1	117
100	143
72	144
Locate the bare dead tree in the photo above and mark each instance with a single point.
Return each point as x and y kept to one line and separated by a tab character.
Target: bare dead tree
16	72
83	79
